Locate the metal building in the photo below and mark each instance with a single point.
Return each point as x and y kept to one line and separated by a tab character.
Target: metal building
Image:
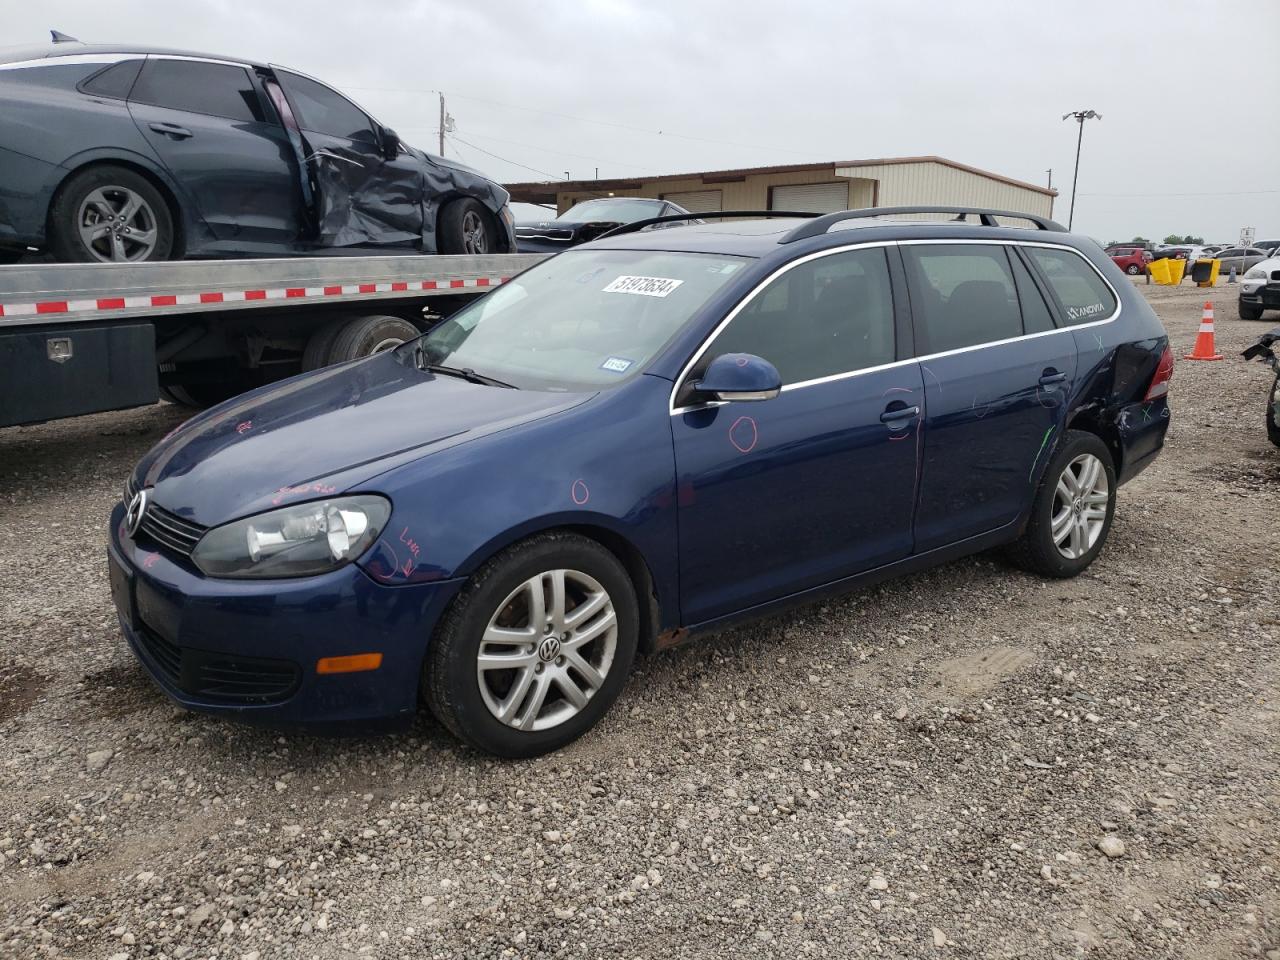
817	187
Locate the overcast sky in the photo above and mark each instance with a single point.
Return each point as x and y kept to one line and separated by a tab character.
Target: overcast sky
1189	141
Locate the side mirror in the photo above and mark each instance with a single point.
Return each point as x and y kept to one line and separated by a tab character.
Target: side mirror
390	141
740	376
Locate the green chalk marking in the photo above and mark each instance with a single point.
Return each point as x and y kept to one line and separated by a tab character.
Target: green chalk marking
1043	443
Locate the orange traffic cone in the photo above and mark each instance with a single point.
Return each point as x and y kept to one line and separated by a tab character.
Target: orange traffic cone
1204	339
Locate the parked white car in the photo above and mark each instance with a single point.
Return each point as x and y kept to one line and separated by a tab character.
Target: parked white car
1260	289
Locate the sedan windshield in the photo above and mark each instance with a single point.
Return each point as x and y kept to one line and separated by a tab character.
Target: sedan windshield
611	211
580	321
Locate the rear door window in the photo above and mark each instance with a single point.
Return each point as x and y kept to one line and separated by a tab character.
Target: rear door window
823	317
321	110
1084	295
1036	316
962	295
212	89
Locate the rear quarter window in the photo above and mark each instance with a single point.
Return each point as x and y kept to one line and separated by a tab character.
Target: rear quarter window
115	81
1084	296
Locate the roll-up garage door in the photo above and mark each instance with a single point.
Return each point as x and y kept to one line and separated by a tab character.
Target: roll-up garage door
811	197
697	201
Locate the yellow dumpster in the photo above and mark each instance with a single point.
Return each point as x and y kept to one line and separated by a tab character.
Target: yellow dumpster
1167	270
1205	272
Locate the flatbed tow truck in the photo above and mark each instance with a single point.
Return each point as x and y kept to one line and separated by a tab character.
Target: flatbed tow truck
83	338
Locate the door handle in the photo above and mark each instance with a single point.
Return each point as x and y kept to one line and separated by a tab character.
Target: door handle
899	413
1051	377
171	130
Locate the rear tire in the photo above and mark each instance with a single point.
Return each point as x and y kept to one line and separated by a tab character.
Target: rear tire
82	224
200	396
316	353
1133	269
1273	423
1247	312
451	680
366	336
465	226
1072	503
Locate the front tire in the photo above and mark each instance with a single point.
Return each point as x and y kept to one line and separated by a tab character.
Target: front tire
535	649
465	226
1248	312
110	214
1072	512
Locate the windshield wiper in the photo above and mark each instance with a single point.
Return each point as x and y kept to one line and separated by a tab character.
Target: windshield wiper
464	373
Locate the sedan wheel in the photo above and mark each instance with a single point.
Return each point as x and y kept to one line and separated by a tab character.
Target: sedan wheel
475	237
1072	509
535	648
548	650
117	225
1080	506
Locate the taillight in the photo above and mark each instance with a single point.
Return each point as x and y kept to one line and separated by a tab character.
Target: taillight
1164	373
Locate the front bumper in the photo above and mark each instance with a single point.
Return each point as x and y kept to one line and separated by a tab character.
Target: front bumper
1260	293
249	648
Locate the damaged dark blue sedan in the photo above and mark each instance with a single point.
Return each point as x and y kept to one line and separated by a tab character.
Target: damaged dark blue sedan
645	437
128	154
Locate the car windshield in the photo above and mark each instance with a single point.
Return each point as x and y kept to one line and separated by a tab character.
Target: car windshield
611	211
580	321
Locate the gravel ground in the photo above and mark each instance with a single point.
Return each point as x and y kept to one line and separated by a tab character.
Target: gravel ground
968	763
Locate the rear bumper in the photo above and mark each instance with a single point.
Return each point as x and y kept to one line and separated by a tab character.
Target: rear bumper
26	187
249	649
1142	428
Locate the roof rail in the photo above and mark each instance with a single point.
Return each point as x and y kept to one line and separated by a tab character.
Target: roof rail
820	225
710	215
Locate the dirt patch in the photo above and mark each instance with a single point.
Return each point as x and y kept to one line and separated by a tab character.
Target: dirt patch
977	673
20	687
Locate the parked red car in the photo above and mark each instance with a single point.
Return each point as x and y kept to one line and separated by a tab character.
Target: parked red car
1132	260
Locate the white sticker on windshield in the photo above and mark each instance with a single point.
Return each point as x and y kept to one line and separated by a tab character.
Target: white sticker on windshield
644	286
616	364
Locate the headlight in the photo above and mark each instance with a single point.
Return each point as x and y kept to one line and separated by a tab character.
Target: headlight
1255	273
297	541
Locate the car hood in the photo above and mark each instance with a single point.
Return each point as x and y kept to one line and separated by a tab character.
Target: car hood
566	232
324	433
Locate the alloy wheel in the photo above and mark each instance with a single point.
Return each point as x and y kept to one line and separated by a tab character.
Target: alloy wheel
1080	505
117	225
547	650
475	238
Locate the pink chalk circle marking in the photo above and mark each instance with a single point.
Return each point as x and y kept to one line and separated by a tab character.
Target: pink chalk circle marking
735	430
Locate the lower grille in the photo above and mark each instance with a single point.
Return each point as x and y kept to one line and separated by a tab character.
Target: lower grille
218	677
167	656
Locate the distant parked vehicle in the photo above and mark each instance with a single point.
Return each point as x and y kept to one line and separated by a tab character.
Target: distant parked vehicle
1265	350
1242	258
1271	246
1260	289
129	153
1132	260
589	219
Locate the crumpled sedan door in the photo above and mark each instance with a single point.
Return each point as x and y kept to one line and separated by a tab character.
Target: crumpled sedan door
359	196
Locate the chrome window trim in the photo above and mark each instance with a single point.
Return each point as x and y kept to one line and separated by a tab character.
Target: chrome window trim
73	58
923	358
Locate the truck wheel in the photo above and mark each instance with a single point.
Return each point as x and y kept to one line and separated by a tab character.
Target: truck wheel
535	648
1247	312
199	396
365	336
110	214
465	226
316	353
1273	412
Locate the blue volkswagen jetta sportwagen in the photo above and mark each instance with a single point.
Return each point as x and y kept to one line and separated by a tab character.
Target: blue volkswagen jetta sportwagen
639	439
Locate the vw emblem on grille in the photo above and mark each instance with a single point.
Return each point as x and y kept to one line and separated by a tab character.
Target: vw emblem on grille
549	649
134	513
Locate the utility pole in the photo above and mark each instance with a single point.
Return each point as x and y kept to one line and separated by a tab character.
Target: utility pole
442	124
1080	117
1050	172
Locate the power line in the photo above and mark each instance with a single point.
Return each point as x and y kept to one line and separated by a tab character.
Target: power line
1235	193
604	123
549	176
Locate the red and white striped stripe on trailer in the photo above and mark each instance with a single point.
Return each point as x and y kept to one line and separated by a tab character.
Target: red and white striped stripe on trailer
290	294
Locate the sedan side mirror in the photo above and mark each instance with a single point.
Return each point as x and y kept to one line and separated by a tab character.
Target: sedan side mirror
390	141
740	376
